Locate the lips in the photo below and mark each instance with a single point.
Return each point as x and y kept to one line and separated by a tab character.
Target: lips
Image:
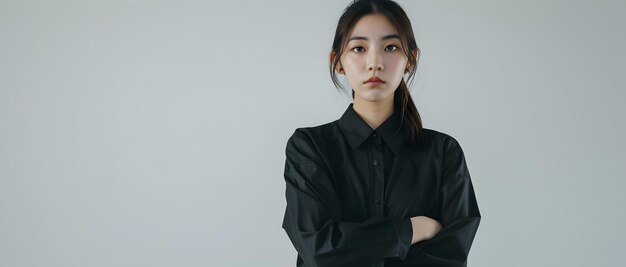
374	80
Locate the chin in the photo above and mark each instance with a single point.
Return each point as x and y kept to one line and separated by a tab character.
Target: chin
374	96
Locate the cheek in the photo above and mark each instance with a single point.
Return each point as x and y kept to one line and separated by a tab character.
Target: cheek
397	63
351	63
352	67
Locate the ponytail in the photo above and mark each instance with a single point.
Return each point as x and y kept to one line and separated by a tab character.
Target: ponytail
411	118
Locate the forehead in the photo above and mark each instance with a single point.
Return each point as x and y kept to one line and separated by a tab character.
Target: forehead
373	26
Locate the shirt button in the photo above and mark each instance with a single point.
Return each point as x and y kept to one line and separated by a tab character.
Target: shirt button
375	162
377	202
374	136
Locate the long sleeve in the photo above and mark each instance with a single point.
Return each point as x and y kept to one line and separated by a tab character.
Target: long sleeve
313	222
459	216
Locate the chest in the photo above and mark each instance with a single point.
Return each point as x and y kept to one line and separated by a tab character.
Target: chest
373	181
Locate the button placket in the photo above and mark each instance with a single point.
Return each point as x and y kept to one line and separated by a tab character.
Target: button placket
378	176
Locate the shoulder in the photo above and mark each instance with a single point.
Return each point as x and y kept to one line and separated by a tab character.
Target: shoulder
315	135
310	141
450	155
440	140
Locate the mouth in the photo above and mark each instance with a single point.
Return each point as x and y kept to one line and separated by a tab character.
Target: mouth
374	81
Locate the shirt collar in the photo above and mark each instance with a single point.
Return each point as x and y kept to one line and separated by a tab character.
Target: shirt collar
356	130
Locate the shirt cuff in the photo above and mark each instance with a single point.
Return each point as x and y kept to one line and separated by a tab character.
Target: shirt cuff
404	229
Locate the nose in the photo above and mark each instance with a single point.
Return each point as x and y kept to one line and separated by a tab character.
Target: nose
375	61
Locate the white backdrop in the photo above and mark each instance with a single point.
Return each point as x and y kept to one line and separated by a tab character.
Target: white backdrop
152	133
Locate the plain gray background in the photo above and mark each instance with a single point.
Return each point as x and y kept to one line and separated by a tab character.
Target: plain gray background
152	133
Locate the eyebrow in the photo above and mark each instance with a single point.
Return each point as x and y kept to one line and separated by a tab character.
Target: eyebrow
389	36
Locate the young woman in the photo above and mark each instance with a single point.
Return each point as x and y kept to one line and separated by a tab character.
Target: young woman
375	188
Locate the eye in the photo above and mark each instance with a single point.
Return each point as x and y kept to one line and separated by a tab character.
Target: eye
357	47
395	47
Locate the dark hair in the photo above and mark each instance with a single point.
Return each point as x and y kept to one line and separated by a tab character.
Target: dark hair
396	15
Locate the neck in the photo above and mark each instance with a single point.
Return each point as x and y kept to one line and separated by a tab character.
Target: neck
373	113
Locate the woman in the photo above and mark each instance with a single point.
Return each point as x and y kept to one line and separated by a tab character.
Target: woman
375	188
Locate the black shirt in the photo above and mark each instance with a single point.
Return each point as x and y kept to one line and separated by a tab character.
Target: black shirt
352	190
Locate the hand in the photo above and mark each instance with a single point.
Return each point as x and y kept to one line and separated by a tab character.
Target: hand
424	228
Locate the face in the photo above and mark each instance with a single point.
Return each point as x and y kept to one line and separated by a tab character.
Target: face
374	49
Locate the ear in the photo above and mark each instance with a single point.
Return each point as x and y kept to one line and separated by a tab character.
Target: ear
331	57
416	56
